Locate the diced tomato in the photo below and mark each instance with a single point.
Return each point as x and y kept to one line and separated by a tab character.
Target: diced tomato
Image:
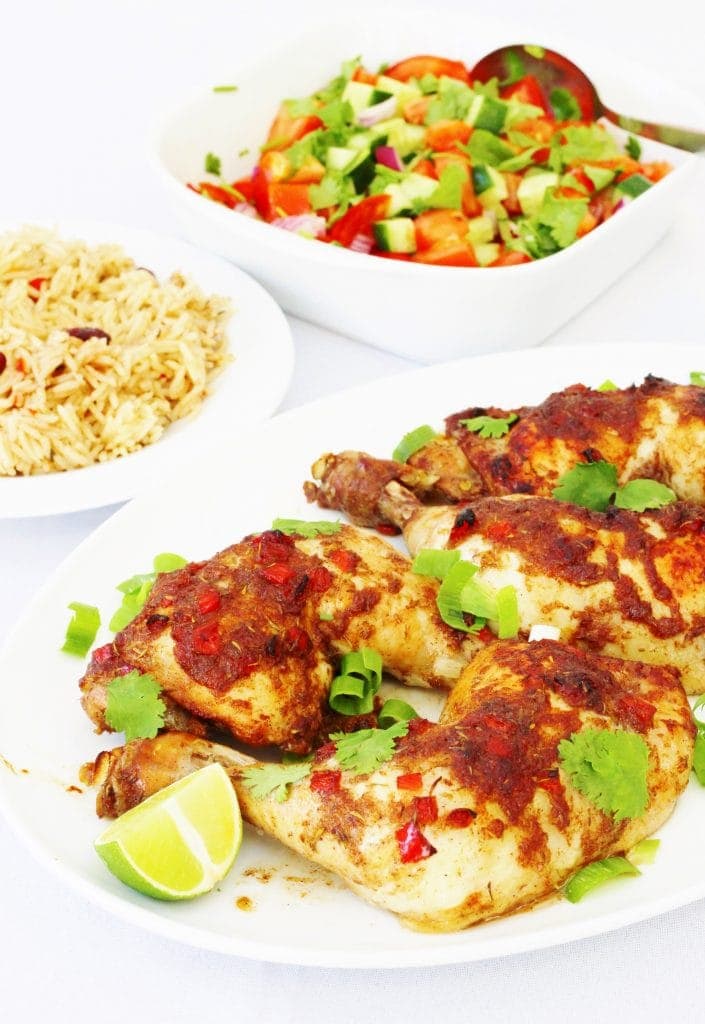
498	531
453	253
275	166
246	188
359	219
444	134
439	226
425	64
656	170
527	90
325	782
540	128
511	204
218	194
324	753
297	640
566	192
278	574
279	199
425	809
412	781
320	579
206	639
579	175
511	258
427	168
310	172
471	204
587	224
345	560
361	75
498	746
286	130
413	845
418	726
208	601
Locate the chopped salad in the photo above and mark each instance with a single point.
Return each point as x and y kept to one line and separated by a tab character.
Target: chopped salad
420	162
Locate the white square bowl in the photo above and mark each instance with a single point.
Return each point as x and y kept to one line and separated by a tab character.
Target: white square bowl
422	312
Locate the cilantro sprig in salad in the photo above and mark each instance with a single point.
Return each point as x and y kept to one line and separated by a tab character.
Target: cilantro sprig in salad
418	162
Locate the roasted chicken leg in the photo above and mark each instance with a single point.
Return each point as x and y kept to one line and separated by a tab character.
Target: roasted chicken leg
248	640
495	823
615	582
655	430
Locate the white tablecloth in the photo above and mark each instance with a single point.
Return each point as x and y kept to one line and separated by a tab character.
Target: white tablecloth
81	83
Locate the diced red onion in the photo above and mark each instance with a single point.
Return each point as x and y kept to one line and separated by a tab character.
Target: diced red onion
388	156
246	209
303	224
380	112
620	205
361	243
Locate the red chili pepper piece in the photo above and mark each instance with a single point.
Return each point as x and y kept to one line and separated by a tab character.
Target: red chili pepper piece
499	724
274	546
413	845
418	726
637	713
297	640
320	579
344	559
486	635
425	809
413	780
552	784
324	752
206	639
278	574
498	531
208	601
37	282
498	746
460	817
103	654
387	530
325	782
462	527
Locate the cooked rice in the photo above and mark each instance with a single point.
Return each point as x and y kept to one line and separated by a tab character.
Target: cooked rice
66	403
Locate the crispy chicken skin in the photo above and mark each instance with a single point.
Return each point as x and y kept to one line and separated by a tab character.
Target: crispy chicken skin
248	640
616	582
510	827
656	430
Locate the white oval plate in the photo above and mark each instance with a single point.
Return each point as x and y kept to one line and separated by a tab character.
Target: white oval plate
247	391
300	914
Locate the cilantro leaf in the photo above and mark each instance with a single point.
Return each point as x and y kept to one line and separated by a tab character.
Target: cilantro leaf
638	495
561	216
589	484
452	102
514	68
363	751
565	106
303	107
335	87
490	426
134	706
448	194
633	147
428	83
697	377
336	114
212	163
587	142
265	779
486	148
332	190
609	768
307	528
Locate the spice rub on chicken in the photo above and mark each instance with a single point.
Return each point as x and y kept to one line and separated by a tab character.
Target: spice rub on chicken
248	641
476	816
655	430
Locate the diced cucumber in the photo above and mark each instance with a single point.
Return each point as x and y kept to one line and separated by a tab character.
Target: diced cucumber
403	193
532	189
358	95
482	229
497	192
340	158
363	173
486	253
362	140
396	234
634	185
481	179
488	113
406	138
599	176
379	96
405	92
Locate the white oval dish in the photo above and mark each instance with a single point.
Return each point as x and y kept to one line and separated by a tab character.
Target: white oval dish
300	914
248	390
422	312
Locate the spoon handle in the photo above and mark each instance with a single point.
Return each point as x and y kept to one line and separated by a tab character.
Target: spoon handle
681	138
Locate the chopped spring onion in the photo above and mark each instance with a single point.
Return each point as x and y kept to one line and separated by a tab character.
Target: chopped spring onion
304	528
449	598
413	442
644	852
353	691
507	613
543	632
225	88
478	599
595	874
699	753
607	385
394	710
431	562
136	589
81	630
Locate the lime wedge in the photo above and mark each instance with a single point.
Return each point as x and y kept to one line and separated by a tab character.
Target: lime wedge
181	841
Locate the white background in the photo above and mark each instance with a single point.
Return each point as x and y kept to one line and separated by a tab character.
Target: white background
82	85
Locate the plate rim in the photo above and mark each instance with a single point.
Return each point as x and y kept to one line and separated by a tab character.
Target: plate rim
148	916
